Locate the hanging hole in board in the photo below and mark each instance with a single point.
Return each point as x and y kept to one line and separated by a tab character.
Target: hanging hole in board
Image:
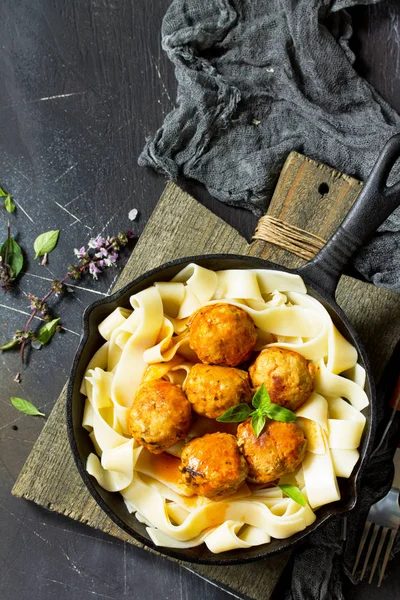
323	189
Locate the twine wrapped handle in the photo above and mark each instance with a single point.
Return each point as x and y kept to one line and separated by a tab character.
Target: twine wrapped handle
298	241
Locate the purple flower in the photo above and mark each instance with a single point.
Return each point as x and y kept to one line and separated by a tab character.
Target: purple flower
103	252
81	253
93	270
97	242
111	259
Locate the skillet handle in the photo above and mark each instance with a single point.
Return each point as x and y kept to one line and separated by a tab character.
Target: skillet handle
375	203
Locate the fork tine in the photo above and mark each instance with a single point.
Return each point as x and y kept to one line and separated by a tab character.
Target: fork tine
378	551
370	547
361	545
387	554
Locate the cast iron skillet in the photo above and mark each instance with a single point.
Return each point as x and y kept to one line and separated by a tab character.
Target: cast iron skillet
321	275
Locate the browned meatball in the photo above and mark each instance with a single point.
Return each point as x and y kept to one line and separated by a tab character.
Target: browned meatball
211	389
279	449
287	376
222	334
213	466
160	415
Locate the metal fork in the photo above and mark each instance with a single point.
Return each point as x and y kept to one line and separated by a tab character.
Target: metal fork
385	518
385	514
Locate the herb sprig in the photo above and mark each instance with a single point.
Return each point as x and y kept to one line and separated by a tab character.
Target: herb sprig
9	204
46	242
293	492
100	254
26	407
11	261
264	409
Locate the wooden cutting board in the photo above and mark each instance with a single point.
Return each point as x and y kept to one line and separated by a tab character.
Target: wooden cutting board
309	195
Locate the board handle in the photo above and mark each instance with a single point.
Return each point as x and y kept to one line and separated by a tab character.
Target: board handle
375	203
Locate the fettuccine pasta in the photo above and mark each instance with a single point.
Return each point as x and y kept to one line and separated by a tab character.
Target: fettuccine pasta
151	342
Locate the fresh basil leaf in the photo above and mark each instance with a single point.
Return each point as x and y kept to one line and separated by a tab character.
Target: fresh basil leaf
3	194
293	492
278	413
258	422
15	258
9	345
9	204
26	407
235	414
261	398
45	242
47	331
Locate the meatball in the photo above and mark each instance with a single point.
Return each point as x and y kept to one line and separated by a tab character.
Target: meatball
279	449
287	376
160	415
222	334
211	390
213	466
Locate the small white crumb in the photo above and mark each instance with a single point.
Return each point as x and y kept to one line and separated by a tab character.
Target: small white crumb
36	344
270	70
255	122
133	214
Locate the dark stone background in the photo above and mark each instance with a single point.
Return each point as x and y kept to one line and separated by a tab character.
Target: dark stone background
82	84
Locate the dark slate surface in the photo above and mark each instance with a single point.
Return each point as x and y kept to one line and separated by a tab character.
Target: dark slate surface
82	83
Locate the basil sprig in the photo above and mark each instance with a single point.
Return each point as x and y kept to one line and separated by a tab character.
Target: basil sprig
264	409
47	331
46	242
293	492
9	345
8	202
26	407
11	255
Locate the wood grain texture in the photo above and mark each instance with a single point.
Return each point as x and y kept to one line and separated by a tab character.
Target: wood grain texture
312	196
179	227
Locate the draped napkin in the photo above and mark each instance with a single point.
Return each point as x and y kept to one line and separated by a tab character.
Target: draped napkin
259	78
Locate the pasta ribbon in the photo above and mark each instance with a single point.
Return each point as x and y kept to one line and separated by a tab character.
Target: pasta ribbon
320	479
131	366
200	287
344	461
115	472
329	384
113	321
149	503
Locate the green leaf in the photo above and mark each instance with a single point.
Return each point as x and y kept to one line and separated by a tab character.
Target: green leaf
293	492
9	204
261	398
3	194
9	345
47	331
235	414
258	422
15	258
26	407
46	242
278	413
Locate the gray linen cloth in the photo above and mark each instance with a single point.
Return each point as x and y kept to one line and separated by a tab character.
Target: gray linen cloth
259	78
